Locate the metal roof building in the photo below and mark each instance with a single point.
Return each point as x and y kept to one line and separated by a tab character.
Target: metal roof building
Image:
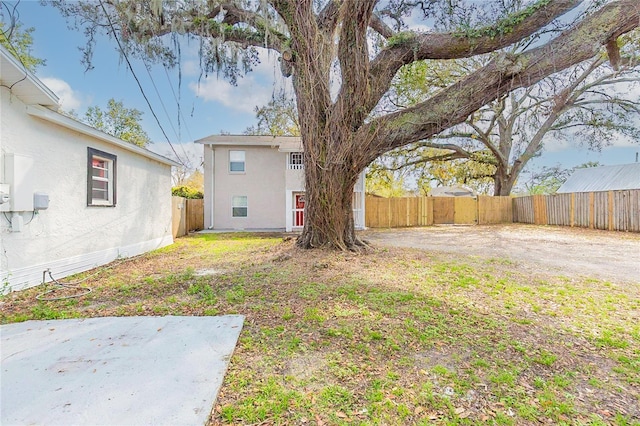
606	178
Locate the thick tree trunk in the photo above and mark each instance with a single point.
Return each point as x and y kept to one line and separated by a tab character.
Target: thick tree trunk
329	218
503	183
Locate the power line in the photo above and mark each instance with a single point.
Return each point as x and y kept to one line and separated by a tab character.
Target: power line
124	54
167	112
153	83
178	103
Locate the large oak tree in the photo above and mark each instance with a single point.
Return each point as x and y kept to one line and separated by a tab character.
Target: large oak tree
320	42
591	105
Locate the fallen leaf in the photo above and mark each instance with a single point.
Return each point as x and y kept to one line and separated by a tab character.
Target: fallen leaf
341	415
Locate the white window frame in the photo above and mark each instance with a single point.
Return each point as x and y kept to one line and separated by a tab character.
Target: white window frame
110	170
295	161
236	203
241	153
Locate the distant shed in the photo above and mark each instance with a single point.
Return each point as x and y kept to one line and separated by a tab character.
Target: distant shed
451	191
606	178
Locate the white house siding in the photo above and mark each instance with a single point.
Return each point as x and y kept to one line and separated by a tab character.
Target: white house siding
261	183
69	236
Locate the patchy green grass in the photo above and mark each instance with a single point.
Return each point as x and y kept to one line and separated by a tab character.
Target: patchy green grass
388	337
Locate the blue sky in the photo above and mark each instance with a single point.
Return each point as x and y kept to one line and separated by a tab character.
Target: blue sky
208	106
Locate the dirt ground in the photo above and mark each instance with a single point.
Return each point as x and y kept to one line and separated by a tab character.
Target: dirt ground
555	250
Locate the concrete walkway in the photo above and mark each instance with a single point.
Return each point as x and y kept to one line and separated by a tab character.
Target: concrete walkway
114	371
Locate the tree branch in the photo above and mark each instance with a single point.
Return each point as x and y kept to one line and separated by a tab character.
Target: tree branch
379	26
411	46
507	72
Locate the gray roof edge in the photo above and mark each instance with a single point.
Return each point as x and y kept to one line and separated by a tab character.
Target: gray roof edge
30	77
259	140
70	123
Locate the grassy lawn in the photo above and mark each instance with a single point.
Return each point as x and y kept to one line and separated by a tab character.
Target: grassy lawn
390	337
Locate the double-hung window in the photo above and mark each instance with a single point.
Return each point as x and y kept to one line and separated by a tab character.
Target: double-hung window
239	206
101	178
236	161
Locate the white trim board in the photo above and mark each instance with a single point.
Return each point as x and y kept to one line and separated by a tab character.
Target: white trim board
31	276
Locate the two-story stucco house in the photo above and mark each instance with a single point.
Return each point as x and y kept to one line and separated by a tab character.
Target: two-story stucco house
257	183
71	197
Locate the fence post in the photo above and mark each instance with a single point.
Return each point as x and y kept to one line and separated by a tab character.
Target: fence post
572	210
408	221
610	209
592	213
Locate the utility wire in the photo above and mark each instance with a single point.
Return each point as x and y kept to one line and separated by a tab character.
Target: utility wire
178	103
179	113
167	112
153	83
124	54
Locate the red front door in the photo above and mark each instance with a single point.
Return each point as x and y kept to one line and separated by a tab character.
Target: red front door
298	210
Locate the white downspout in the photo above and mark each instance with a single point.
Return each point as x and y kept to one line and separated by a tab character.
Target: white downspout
213	186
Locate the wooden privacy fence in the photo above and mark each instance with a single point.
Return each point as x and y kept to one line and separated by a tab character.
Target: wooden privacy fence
187	215
424	211
610	210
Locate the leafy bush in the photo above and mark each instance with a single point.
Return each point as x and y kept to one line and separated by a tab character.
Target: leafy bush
186	192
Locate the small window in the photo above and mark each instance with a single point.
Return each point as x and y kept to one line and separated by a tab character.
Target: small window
239	206
101	178
296	161
236	161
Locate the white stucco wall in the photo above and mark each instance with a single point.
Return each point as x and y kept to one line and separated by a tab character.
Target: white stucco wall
69	236
262	183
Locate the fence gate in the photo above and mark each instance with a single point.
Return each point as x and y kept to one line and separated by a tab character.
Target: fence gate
465	211
443	210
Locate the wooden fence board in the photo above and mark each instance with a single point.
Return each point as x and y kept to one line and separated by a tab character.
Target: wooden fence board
195	215
178	216
558	209
494	210
465	210
600	210
608	210
582	210
523	210
425	211
540	210
443	210
187	215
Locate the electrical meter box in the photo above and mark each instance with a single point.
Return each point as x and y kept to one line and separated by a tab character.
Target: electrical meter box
19	173
40	201
4	197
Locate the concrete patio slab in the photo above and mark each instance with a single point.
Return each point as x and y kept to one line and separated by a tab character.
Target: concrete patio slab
114	371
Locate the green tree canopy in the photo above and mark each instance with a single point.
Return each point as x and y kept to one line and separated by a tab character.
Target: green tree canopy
19	41
118	121
591	105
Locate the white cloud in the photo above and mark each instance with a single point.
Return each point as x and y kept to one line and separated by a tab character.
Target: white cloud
69	99
190	68
254	89
188	152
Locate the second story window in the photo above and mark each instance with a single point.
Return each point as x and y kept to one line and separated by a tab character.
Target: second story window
296	161
236	161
